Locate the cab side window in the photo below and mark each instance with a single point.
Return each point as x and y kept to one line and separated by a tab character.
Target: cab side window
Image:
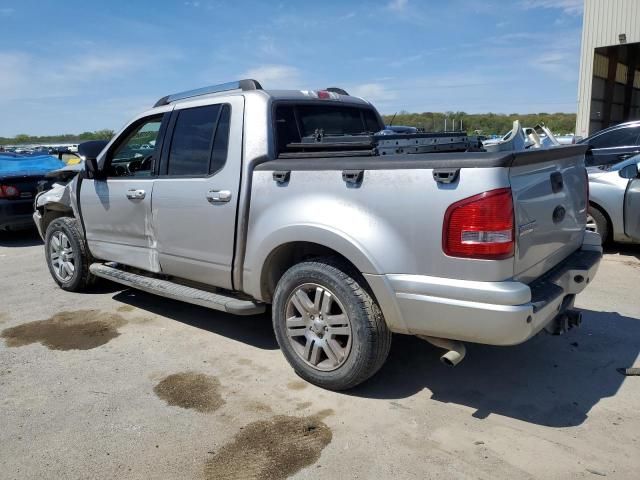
200	140
136	154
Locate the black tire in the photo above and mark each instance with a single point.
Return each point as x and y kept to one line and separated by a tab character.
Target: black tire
80	279
370	339
602	224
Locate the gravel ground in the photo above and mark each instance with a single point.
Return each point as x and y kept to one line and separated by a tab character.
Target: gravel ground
121	384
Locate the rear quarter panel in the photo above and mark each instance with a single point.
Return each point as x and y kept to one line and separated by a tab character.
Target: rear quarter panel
390	224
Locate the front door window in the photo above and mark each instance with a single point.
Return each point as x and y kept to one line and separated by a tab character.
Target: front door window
136	155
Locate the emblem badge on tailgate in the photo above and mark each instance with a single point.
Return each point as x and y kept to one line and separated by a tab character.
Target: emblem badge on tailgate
526	228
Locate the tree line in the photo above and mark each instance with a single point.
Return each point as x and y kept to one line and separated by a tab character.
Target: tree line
24	139
483	123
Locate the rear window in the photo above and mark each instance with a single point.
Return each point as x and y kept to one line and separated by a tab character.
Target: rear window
293	122
200	141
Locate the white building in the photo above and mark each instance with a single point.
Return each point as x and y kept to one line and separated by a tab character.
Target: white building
609	86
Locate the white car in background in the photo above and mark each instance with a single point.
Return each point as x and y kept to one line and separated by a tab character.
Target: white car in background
614	201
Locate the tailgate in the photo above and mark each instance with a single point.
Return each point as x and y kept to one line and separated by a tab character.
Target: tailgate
550	197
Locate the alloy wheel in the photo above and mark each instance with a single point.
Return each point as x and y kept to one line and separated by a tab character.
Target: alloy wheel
318	327
62	256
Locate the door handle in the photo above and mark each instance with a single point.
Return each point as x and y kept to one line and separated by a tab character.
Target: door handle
135	194
218	196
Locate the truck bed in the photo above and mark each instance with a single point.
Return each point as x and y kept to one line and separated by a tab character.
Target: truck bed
395	213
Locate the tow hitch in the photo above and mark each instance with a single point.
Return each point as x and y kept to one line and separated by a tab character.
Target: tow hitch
564	322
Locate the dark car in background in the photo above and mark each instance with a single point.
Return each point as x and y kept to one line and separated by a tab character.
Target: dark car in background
21	177
613	144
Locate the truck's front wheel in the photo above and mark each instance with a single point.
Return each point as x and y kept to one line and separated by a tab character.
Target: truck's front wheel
328	326
67	255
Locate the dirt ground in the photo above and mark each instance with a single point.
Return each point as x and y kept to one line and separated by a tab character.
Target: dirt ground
121	384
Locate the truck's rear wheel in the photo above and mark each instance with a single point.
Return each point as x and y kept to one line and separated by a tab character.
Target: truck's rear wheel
328	326
67	255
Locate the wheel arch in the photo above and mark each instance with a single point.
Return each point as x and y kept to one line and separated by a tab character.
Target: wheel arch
269	255
50	212
286	255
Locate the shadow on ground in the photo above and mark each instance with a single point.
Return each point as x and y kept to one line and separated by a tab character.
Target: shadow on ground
624	249
549	380
20	238
254	330
553	381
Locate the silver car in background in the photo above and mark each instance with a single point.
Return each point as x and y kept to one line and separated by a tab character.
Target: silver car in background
614	201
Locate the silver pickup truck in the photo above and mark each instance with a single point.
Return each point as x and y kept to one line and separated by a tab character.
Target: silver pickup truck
216	197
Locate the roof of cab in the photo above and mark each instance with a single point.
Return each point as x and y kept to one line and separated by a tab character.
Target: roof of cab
252	87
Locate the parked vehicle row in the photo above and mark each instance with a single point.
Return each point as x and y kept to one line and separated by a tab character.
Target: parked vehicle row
40	149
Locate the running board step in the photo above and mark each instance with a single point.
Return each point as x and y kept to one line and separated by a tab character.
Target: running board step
165	288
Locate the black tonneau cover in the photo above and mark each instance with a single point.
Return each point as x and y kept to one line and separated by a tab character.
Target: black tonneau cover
425	160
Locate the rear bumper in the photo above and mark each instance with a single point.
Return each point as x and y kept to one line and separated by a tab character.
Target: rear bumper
495	313
16	214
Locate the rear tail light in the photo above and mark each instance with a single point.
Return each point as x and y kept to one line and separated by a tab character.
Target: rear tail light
480	226
9	191
586	179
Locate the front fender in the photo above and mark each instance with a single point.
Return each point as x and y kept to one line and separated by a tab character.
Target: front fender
606	192
60	198
59	195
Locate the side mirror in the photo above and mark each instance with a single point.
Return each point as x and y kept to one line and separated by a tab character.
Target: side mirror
91	169
630	171
90	151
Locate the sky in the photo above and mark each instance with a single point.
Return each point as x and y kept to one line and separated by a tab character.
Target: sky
69	66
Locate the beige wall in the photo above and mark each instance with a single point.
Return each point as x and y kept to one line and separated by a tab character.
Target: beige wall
603	21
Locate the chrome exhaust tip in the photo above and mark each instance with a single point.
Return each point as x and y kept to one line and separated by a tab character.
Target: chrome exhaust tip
455	351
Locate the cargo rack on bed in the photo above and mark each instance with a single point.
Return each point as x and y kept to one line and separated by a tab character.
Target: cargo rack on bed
378	144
